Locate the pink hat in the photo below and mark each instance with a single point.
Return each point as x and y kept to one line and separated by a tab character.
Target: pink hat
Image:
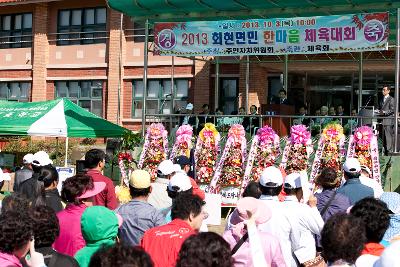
248	206
98	187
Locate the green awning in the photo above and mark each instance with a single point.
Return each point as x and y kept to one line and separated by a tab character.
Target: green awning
57	118
183	10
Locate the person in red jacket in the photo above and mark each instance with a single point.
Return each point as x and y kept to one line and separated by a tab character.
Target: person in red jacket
163	243
95	161
185	164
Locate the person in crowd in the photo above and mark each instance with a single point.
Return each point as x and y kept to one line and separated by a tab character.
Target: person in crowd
342	239
220	120
15	202
367	179
302	119
392	200
340	110
45	230
329	201
16	240
375	215
189	119
242	111
186	166
305	219
3	177
247	208
353	188
24	173
120	255
78	192
252	190
253	122
270	184
31	187
203	119
351	123
158	197
163	243
214	251
324	121
48	177
386	108
332	111
390	256
138	214
100	229
95	160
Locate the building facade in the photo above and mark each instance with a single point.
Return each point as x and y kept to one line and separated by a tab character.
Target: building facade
76	49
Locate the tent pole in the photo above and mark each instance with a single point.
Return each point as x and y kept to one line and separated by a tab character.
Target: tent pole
396	90
216	84
146	59
247	83
286	73
360	80
66	152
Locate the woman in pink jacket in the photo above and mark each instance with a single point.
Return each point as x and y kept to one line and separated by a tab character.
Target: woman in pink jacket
270	244
78	192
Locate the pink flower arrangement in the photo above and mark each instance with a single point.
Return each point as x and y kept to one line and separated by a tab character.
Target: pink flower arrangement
266	135
299	134
183	142
363	135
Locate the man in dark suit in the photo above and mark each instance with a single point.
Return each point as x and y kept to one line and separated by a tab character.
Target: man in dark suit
283	98
387	109
251	123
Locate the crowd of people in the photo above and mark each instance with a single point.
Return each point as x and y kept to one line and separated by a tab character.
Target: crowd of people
275	223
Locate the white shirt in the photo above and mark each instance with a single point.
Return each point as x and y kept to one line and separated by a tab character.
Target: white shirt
279	226
305	222
366	260
158	197
378	191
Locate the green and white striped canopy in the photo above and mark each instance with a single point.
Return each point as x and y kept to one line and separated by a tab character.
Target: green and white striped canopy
57	118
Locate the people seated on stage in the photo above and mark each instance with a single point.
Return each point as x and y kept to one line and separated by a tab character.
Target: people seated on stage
220	123
351	123
332	111
324	121
203	119
302	120
189	119
251	123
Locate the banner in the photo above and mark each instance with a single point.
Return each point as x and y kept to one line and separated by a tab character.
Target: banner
303	35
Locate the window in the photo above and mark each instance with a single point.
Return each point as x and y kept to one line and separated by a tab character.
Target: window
228	99
16	30
82	26
86	94
139	32
160	100
15	91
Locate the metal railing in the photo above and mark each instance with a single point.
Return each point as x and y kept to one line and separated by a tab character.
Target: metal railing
223	122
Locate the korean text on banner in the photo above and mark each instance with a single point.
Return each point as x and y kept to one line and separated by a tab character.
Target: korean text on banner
303	35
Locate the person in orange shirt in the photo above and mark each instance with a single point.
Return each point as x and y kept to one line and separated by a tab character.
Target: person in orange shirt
163	243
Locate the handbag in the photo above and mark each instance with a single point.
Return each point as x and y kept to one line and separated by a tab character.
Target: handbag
316	262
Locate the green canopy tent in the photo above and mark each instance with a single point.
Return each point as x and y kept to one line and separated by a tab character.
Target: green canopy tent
55	118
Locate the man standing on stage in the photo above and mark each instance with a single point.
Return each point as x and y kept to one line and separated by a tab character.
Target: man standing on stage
387	109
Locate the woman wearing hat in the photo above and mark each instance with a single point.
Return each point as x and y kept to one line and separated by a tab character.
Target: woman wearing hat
78	192
250	208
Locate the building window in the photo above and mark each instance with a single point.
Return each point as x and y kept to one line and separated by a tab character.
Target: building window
228	98
82	26
160	100
86	94
16	30
139	32
15	91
